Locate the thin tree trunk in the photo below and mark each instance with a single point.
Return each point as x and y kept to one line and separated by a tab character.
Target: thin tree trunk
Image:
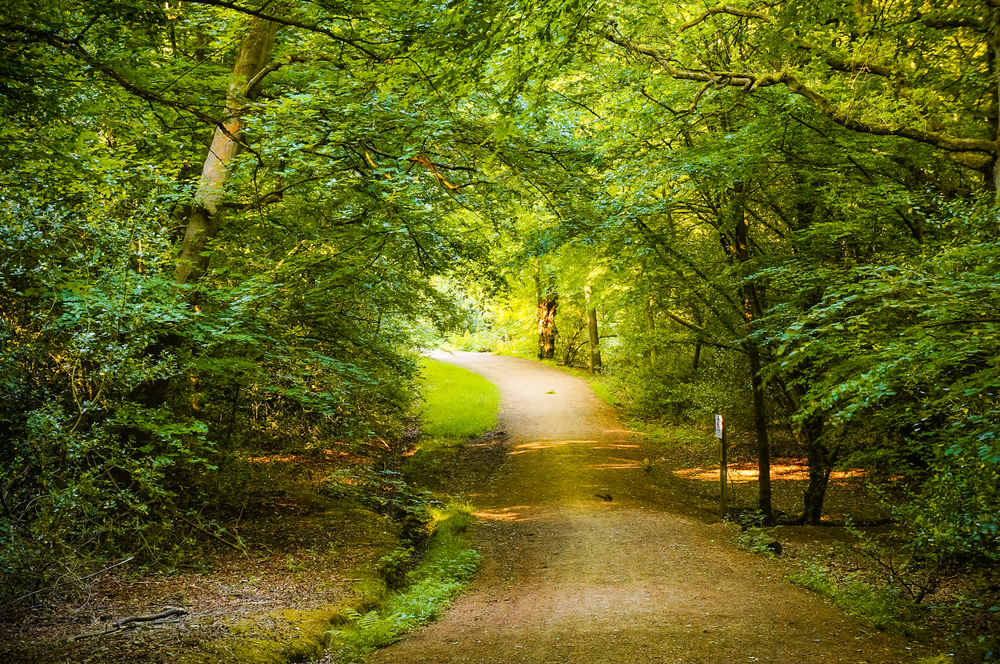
753	308
204	221
993	179
651	325
763	446
595	339
697	344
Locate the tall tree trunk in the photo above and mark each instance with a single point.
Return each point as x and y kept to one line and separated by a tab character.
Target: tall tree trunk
763	445
651	325
546	315
595	339
753	308
993	177
204	221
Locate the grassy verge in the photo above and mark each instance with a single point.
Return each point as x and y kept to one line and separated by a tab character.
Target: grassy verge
457	403
882	608
442	573
412	590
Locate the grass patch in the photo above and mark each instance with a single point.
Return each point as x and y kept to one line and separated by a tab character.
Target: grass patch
457	404
443	572
882	608
602	391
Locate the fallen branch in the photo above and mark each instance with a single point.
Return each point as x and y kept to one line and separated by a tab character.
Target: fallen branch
120	624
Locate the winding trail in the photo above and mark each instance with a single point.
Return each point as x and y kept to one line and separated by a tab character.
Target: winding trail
569	577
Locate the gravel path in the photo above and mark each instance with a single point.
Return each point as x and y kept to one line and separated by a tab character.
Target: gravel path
571	577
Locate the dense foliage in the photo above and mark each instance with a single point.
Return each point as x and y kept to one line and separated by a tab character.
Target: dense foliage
138	380
787	212
225	224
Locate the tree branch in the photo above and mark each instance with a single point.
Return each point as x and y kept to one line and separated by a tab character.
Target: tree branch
964	321
957	22
311	27
248	89
751	82
725	9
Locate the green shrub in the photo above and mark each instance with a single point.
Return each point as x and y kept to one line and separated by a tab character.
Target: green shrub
882	607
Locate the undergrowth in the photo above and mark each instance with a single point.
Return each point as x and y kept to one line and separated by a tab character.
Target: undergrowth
443	572
881	607
672	436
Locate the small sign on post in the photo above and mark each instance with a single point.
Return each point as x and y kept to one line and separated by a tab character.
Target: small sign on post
720	433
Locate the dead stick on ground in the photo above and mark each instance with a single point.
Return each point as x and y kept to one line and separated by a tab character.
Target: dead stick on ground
120	624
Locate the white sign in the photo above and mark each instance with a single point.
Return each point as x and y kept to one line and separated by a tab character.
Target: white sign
718	426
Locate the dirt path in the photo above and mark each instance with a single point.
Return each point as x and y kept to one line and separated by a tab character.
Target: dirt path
570	577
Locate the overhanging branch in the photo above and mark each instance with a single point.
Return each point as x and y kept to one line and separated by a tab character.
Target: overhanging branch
725	9
358	44
750	82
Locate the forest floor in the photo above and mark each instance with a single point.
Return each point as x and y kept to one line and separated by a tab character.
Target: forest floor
645	573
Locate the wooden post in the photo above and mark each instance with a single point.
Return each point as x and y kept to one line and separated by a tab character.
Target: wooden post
720	433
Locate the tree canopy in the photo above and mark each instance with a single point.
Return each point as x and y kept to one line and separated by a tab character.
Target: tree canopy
226	225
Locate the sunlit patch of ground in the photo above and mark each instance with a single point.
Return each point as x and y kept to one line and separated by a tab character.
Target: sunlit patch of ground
620	464
546	445
789	469
514	513
538	445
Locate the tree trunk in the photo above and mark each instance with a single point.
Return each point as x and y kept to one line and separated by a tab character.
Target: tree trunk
546	315
993	177
753	308
763	446
204	221
821	463
595	339
651	325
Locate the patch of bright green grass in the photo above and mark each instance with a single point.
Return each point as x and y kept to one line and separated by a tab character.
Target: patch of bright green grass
602	391
457	403
444	571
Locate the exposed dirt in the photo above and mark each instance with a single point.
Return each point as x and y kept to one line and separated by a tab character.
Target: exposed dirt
588	558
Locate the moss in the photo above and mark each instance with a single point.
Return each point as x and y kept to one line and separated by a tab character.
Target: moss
277	637
287	635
